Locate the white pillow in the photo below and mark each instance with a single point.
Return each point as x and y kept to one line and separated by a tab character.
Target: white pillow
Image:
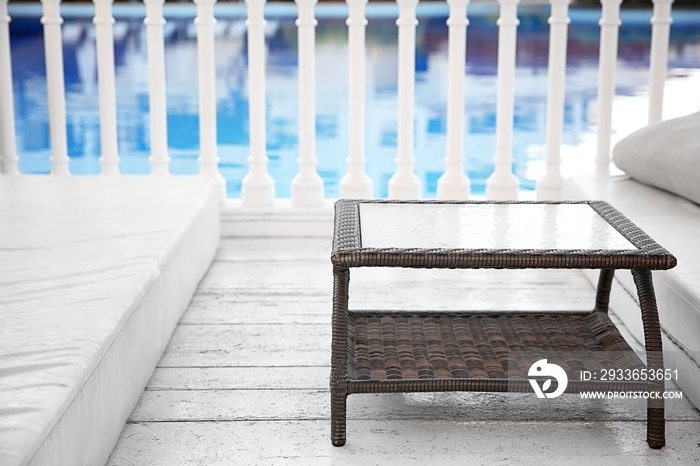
665	155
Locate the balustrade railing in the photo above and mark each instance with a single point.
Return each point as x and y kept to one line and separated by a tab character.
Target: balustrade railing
356	184
551	183
105	77
405	184
55	87
660	32
609	27
258	188
8	143
502	184
156	89
307	186
206	75
454	183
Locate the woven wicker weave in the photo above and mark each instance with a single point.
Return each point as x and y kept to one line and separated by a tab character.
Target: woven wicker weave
348	251
381	352
440	346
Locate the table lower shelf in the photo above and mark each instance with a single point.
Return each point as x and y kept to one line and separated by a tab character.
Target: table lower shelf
408	352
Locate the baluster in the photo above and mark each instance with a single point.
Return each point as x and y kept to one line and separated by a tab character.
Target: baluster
258	187
307	185
208	158
405	184
454	184
8	144
160	162
658	61
55	88
356	184
103	22
502	184
550	185
609	28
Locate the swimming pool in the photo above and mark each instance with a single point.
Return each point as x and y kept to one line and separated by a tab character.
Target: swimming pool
331	77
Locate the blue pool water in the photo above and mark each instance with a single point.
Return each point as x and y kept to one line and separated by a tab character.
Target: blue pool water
332	120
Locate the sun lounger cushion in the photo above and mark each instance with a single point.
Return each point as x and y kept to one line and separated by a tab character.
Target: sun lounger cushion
95	272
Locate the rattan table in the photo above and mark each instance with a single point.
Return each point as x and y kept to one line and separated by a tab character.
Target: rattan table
430	351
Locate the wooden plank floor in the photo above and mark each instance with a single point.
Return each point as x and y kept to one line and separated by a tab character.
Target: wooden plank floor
245	377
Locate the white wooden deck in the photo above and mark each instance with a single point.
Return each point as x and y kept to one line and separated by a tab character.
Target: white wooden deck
245	377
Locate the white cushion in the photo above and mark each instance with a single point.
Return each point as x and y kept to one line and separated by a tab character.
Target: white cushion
665	155
674	223
95	272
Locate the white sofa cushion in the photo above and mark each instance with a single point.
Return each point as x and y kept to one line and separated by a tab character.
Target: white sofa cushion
674	223
95	273
665	155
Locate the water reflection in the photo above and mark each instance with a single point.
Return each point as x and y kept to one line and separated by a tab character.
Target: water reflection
332	133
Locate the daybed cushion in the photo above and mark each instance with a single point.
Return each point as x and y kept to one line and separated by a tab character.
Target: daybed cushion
665	155
675	224
95	273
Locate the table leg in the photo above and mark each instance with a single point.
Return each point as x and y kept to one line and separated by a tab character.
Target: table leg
339	355
656	428
602	298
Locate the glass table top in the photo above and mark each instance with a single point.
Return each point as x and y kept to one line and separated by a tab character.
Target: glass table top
487	226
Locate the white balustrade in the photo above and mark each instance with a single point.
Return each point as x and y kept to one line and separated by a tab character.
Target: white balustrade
258	187
154	21
307	185
206	68
8	144
502	184
104	22
658	61
549	186
607	70
405	184
454	184
356	184
55	87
